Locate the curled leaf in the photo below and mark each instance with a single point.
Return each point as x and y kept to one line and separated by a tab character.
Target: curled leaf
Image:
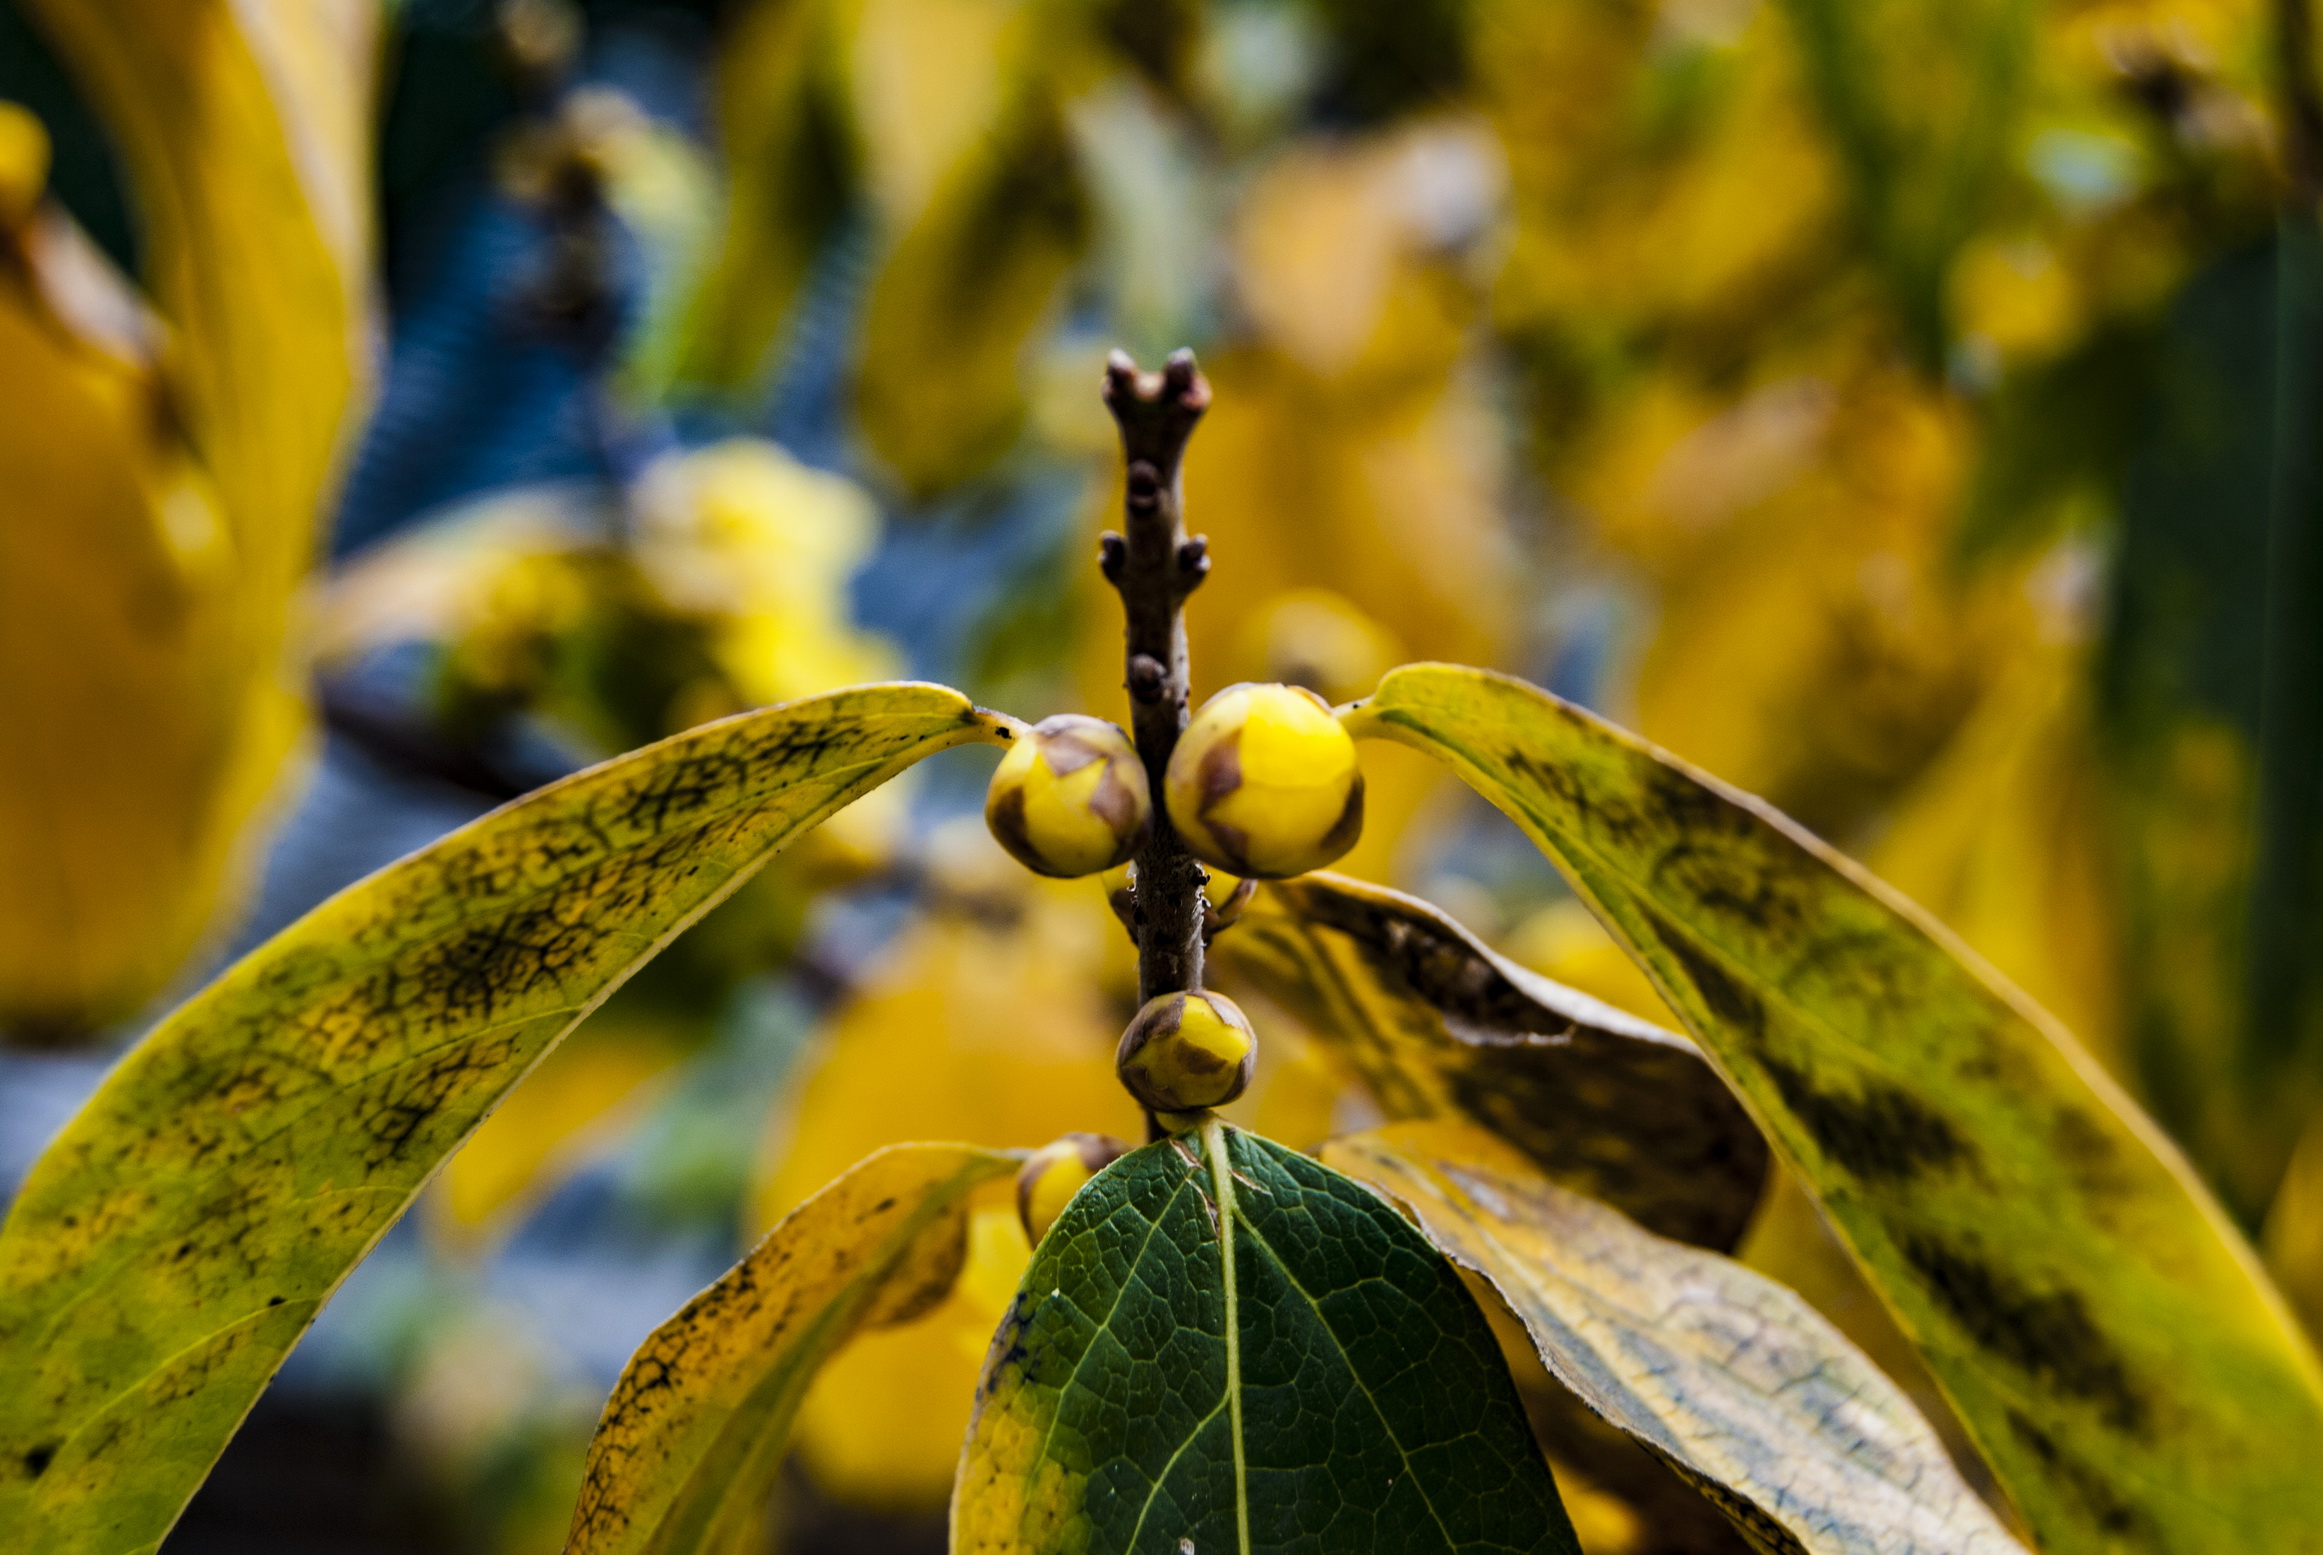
179	1235
1439	1026
685	1458
1733	1380
2103	1332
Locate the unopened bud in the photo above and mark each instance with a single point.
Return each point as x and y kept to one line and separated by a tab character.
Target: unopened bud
1264	783
1187	1051
1055	1173
1070	799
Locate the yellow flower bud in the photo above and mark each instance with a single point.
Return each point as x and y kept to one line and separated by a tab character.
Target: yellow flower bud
1187	1051
1264	783
1070	799
1055	1173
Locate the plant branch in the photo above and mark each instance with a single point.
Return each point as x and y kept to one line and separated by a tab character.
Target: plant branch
1154	566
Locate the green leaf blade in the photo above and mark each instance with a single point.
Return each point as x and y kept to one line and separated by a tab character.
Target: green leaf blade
2099	1327
1375	1412
254	1146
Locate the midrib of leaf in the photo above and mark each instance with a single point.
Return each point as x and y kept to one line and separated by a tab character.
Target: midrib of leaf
1387	1428
1222	1181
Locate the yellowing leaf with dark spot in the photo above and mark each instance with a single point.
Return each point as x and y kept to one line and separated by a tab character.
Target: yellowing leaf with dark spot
882	1425
586	1087
957	303
989	1025
1731	1379
685	1459
175	1240
1438	1026
2103	1332
157	509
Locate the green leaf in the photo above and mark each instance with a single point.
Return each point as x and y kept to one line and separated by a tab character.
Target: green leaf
685	1458
2102	1331
1438	1026
1242	1350
2213	710
1731	1379
175	1240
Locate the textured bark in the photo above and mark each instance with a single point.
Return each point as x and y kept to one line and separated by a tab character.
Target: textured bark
1154	566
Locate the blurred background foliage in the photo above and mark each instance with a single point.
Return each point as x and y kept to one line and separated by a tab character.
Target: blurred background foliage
1908	411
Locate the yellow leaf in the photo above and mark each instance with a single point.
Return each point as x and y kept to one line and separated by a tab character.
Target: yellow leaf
685	1459
2294	1229
161	508
580	1092
2100	1327
181	1232
1438	1026
860	1448
1340	249
1811	645
1731	1379
987	1022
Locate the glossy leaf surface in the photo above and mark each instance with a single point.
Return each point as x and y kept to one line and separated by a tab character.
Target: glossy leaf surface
685	1459
2102	1331
1236	1349
1439	1026
176	1239
1733	1380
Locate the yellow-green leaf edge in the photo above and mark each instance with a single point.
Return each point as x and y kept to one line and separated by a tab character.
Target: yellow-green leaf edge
162	1258
1733	1380
686	1455
2102	1330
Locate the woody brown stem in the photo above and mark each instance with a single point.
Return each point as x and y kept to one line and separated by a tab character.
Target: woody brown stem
1154	566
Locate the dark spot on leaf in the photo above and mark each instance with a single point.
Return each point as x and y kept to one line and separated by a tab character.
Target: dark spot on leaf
274	1301
2084	1484
36	1462
1882	1133
1732	1003
2047	1336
